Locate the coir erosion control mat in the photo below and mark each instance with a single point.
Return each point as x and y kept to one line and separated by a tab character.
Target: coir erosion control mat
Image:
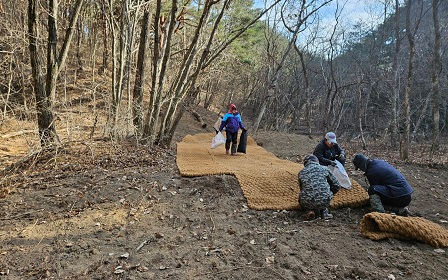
377	226
267	182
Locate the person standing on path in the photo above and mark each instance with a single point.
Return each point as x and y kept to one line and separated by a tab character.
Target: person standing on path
232	123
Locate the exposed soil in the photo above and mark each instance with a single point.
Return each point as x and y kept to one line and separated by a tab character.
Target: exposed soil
106	210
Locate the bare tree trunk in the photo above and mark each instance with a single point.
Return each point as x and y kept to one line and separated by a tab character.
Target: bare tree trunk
396	88
362	110
133	20
184	90
410	34
9	88
78	46
307	91
262	110
56	61
422	116
160	56
274	78
45	92
45	119
52	63
302	16
435	78
105	36
407	125
168	101
120	57
140	74
120	40
332	86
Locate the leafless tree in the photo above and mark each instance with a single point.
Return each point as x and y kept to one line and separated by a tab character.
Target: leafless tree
172	92
305	10
395	92
307	89
45	88
103	14
140	73
435	77
410	34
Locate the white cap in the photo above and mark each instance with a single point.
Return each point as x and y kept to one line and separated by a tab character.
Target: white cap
331	137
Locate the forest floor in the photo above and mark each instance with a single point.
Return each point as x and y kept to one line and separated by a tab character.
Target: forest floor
119	210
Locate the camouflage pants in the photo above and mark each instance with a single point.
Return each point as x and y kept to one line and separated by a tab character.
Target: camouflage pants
315	201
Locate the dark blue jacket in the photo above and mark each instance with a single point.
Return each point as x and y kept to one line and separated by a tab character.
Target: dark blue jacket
326	154
231	122
387	180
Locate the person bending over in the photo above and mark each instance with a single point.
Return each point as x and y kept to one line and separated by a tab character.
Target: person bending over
317	186
388	188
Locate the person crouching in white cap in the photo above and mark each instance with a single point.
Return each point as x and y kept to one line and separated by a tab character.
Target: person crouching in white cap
328	150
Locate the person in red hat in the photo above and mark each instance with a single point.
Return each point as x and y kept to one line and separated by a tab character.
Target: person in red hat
232	123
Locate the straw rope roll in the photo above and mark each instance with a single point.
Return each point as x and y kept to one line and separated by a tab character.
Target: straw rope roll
378	226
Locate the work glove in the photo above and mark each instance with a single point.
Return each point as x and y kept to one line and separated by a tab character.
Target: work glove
341	157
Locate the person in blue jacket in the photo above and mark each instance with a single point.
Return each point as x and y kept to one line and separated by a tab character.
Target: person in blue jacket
232	123
328	150
388	188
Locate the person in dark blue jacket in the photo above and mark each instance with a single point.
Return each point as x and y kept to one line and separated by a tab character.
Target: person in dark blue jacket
388	188
328	150
232	122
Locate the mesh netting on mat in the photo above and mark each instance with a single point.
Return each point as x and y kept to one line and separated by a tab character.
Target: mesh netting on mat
267	182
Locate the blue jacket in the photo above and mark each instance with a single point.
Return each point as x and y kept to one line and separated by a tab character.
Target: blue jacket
231	122
387	180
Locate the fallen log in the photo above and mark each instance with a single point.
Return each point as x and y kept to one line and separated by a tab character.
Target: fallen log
18	133
199	118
